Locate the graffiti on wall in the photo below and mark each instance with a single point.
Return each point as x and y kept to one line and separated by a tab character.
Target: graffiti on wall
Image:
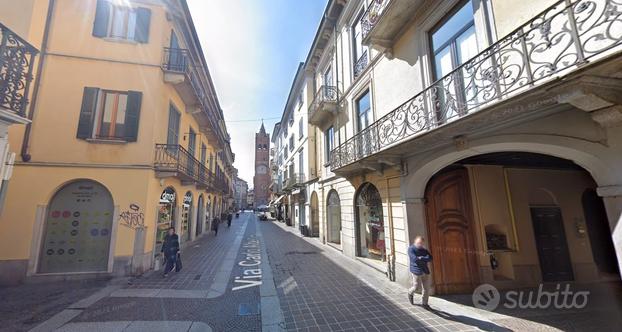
133	217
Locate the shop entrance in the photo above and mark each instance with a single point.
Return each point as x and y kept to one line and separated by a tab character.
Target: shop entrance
200	215
333	216
369	223
166	215
78	229
186	215
315	216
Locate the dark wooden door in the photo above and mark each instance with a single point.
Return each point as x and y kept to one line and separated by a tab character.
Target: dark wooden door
450	229
548	228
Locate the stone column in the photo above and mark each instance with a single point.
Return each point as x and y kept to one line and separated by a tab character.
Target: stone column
612	197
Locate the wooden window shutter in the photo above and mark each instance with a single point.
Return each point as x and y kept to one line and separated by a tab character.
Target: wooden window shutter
132	115
102	15
87	113
143	18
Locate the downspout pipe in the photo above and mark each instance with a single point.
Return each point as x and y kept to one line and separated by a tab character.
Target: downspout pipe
25	155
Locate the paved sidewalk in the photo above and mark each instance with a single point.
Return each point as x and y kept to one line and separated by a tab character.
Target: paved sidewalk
318	294
25	306
314	292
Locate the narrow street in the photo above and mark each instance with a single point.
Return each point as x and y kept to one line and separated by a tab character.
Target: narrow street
227	285
254	276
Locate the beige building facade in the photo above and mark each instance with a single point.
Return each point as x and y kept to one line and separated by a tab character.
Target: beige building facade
486	126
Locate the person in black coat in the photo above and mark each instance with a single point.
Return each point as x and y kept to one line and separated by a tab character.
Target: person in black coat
229	217
215	223
170	249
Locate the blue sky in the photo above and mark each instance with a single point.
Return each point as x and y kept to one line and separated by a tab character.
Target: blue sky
253	48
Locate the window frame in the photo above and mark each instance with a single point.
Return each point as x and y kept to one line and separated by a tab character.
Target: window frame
100	112
173	110
370	115
128	11
329	144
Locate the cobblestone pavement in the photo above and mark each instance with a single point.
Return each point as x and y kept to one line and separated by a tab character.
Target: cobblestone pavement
271	278
22	308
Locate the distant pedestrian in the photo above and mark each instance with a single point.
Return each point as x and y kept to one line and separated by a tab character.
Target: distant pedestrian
215	223
170	250
229	217
419	259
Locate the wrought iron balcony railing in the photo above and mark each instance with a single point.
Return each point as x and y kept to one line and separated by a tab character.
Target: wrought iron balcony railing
295	180
361	64
174	158
557	41
372	15
178	60
17	58
324	102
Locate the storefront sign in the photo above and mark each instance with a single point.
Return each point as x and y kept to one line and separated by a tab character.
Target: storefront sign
188	198
168	196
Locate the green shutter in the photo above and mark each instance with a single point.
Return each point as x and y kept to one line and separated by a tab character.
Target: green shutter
87	113
143	18
132	115
102	14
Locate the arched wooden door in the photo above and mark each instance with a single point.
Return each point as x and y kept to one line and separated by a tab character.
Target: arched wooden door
450	230
315	216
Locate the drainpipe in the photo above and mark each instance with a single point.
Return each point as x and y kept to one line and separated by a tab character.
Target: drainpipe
37	83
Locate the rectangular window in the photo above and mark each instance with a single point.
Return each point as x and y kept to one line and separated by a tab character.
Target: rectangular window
453	43
172	137
329	143
121	21
192	139
203	153
301	165
107	114
328	76
363	111
291	142
111	113
300	129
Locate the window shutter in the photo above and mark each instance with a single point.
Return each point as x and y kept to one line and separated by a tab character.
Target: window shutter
89	103
102	14
132	115
143	18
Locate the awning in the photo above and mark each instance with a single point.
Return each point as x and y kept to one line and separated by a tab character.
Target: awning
276	201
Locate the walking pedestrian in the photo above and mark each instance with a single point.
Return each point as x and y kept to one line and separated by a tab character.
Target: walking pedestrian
229	217
170	250
215	223
419	258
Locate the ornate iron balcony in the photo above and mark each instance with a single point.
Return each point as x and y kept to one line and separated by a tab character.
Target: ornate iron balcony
552	44
173	158
17	58
361	64
372	15
324	102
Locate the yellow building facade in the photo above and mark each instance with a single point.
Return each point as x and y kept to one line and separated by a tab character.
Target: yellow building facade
127	139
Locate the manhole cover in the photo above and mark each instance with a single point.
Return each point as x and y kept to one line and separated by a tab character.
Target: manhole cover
197	277
248	309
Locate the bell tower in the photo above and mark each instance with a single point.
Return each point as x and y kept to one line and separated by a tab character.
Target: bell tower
261	180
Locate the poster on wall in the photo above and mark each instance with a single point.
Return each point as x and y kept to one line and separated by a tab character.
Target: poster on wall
78	229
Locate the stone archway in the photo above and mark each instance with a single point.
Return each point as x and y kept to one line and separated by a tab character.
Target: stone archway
484	203
369	225
78	229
